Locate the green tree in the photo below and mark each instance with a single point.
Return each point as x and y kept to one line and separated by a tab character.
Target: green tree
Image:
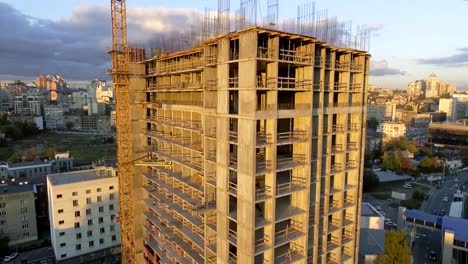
390	162
50	152
371	181
16	157
4	250
396	249
429	165
69	125
372	123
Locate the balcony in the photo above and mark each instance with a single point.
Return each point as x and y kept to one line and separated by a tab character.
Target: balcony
328	64
263	166
337	128
182	159
347	238
285	211
265	53
318	87
289	162
233	82
232	258
336	168
232	188
211	156
262	193
355	87
233	161
211	244
353	127
337	149
332	259
291	137
210	178
263	139
294	184
333	244
180	86
342	66
334	207
318	62
296	56
261	243
233	137
289	254
352	146
211	58
356	67
232	236
211	220
346	256
351	165
289	232
333	226
340	87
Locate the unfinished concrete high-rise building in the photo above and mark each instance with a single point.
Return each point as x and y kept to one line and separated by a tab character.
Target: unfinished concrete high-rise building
263	132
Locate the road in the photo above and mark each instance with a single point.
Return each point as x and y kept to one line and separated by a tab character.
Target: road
427	240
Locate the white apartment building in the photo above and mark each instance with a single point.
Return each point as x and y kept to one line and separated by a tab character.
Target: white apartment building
82	211
392	130
54	116
28	104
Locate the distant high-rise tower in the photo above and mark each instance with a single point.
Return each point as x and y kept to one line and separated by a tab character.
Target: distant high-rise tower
264	131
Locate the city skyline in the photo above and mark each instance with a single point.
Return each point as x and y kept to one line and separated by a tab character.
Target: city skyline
406	43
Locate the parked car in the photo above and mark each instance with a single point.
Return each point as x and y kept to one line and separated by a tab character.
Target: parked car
445	199
407	186
10	257
432	255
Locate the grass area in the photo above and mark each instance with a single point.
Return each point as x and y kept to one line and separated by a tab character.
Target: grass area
84	148
411	203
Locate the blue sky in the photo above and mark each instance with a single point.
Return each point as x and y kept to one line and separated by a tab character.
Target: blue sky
414	37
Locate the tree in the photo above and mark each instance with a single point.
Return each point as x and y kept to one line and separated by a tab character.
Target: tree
429	165
4	250
371	181
30	154
372	123
396	249
50	152
464	155
16	157
69	125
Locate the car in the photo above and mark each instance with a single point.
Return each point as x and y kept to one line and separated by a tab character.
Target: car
432	255
10	257
378	208
407	186
455	186
456	180
445	199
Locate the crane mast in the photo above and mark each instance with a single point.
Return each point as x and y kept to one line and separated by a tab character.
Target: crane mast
121	80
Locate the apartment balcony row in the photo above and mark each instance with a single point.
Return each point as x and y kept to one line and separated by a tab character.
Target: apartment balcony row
261	193
192	125
194	64
340	128
261	139
290	137
292	185
160	102
291	253
343	66
171	244
343	87
178	206
176	139
169	175
344	104
176	87
289	232
211	58
297	56
163	251
284	83
184	159
189	192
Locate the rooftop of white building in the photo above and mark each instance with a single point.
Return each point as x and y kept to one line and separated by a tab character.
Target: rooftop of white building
81	176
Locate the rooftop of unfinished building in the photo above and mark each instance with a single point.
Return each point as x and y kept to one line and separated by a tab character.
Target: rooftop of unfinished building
235	34
81	176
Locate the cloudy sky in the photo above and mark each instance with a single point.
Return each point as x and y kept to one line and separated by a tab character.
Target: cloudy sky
410	40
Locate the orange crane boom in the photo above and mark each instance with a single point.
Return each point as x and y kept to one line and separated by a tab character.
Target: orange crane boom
121	81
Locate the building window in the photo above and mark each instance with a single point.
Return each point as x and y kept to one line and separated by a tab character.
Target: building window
59	196
22	202
63	244
90	222
111	196
63	255
88	211
2	205
25	226
75	202
90	233
111	187
60	211
77	224
26	234
101	241
112	228
111	207
78	246
77	213
3	222
78	236
24	210
98	189
61	233
114	238
88	191
88	201
99	198
112	217
91	243
61	222
74	193
102	230
101	209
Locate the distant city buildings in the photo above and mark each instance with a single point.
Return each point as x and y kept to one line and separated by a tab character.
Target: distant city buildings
50	82
449	133
430	88
17	212
82	210
54	116
28	104
372	236
391	130
455	107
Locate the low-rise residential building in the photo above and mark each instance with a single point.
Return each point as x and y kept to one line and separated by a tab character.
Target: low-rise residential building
82	212
22	170
391	130
17	212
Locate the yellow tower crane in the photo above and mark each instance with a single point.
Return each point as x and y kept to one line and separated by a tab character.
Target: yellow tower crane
121	80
